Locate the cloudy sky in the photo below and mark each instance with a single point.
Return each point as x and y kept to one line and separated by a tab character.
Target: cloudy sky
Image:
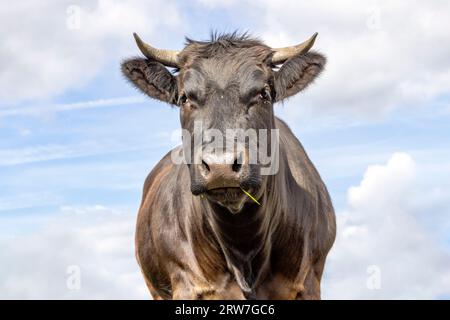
76	141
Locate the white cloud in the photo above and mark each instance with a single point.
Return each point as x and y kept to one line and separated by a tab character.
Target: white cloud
45	110
381	54
383	227
48	152
28	200
215	3
96	239
40	153
52	46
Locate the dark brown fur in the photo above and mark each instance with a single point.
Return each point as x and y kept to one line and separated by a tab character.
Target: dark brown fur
189	247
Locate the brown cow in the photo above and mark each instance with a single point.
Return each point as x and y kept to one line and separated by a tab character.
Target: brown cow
199	235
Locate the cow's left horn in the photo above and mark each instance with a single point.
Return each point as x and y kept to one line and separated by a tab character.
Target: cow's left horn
166	57
282	54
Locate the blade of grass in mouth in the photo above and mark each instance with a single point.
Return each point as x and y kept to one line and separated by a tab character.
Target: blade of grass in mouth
250	196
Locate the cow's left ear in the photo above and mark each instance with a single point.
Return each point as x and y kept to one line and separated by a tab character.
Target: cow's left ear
297	73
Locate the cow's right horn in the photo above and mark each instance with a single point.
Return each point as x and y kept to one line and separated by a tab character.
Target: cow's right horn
166	57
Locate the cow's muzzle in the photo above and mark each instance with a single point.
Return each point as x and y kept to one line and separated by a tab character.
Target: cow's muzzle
222	178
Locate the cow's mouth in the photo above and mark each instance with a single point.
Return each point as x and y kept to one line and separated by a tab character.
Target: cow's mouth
231	198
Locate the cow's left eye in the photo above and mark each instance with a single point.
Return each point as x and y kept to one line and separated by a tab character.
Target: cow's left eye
264	94
183	99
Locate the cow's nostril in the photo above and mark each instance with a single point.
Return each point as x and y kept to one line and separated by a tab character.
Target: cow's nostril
205	165
236	166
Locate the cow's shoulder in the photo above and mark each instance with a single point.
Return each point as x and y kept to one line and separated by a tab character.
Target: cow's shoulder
159	233
309	180
163	175
166	191
301	167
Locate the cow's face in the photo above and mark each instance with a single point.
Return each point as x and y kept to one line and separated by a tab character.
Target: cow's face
225	90
230	96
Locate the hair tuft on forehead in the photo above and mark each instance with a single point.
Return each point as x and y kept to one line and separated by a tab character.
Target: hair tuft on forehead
222	44
234	38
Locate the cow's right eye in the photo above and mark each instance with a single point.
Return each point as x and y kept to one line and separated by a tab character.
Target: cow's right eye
265	94
183	99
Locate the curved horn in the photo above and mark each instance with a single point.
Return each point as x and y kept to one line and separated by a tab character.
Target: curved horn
167	57
282	54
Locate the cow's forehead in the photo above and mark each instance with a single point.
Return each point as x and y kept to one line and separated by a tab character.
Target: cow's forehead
225	72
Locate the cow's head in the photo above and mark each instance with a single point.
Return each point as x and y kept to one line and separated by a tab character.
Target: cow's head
230	82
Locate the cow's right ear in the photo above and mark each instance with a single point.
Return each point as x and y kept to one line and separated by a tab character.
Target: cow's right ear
152	78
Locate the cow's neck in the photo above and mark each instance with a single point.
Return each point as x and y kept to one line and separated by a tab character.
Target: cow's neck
242	239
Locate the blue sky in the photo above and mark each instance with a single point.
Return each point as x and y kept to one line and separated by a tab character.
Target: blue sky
76	141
